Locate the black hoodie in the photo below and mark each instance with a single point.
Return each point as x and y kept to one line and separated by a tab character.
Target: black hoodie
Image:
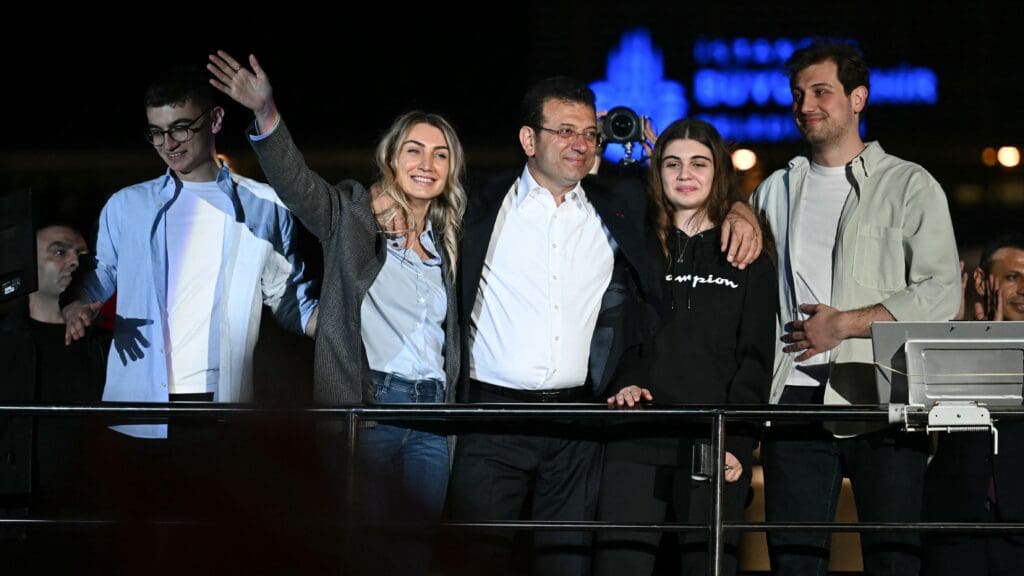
716	340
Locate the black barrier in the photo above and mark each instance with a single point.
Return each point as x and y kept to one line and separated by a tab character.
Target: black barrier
715	415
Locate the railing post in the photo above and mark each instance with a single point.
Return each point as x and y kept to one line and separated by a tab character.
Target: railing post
351	439
715	542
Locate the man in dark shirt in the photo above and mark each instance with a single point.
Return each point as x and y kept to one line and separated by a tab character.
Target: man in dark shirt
966	482
41	462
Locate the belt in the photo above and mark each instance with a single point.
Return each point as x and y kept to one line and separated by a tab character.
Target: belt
192	397
577	394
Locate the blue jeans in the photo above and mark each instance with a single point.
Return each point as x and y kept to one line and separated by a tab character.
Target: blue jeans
402	473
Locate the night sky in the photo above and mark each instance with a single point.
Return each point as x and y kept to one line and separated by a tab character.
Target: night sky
73	79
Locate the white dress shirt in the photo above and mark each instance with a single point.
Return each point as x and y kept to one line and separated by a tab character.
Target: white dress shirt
546	270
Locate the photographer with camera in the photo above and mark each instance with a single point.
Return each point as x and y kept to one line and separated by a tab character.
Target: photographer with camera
622	125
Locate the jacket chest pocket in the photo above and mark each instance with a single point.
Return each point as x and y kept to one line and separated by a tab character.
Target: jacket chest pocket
878	261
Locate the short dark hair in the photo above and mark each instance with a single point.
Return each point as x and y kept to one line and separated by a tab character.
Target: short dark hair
1013	240
41	225
850	65
181	84
562	88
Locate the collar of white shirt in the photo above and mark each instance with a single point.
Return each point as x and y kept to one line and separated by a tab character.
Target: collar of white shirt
528	185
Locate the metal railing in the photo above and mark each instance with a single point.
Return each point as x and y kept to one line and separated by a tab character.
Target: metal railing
715	415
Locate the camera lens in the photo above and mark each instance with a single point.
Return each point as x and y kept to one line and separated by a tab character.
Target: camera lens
622	125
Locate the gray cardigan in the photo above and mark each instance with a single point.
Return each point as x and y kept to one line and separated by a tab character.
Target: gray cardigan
354	251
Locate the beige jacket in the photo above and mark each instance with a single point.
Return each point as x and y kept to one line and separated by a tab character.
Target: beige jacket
894	246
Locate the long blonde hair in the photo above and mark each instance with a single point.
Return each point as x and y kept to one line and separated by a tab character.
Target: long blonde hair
447	209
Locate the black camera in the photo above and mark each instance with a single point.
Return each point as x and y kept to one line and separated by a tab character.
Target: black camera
622	125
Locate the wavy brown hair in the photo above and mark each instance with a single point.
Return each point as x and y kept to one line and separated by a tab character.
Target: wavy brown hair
723	190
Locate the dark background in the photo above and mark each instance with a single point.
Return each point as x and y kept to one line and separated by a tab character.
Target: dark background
73	81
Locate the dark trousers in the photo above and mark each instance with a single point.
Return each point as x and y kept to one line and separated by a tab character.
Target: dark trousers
974	554
638	492
249	486
959	489
495	473
164	492
804	467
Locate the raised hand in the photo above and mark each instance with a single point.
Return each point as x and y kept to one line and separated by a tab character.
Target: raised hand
994	300
650	137
251	89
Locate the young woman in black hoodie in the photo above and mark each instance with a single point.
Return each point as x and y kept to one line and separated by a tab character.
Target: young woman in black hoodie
715	345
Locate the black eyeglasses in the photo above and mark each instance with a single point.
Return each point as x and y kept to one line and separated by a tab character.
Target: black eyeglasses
180	134
590	136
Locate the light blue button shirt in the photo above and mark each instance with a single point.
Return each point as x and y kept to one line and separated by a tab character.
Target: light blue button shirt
404	312
259	266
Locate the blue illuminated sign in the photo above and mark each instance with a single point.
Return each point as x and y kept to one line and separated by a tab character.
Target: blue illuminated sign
740	85
745	87
724	53
636	78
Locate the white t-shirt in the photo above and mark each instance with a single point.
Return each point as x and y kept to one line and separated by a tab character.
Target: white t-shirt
195	240
819	209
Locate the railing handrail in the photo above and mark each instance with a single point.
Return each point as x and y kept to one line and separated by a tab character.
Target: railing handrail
715	414
515	411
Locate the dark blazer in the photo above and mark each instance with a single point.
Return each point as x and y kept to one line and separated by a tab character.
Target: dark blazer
340	215
624	319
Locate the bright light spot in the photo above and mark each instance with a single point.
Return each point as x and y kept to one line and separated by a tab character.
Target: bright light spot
988	157
744	159
1008	156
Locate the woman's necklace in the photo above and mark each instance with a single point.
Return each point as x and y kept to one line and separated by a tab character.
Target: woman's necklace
682	252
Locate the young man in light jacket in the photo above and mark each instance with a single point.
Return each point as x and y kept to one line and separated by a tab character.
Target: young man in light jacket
860	236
